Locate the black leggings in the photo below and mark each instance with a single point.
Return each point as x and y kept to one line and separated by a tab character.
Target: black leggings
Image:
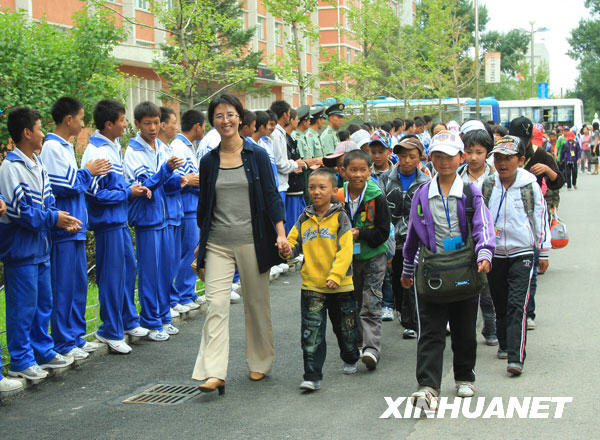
571	175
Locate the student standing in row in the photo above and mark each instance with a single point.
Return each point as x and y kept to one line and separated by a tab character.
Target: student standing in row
329	138
107	201
147	163
68	256
183	291
31	214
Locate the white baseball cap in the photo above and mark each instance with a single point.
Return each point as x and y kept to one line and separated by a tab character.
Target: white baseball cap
471	125
447	142
360	137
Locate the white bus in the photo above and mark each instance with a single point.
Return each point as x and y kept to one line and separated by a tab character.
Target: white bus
549	112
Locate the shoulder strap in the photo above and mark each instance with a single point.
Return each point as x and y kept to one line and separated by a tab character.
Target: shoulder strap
528	203
468	191
486	188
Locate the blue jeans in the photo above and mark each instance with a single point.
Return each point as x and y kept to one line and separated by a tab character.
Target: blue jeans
343	315
388	292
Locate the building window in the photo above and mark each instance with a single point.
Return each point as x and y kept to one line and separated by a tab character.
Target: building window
348	53
143	4
278	34
260	28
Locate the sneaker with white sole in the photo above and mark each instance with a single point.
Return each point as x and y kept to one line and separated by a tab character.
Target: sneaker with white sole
424	398
236	286
193	306
350	368
502	354
58	361
138	332
369	359
530	324
158	335
387	314
235	297
514	368
174	313
284	267
465	389
32	373
120	346
10	385
200	300
181	308
170	329
78	354
90	346
409	334
310	385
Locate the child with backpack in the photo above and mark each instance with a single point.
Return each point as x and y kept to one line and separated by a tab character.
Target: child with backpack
521	225
448	220
569	156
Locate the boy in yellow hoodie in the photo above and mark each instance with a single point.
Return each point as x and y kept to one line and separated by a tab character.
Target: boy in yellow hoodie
323	233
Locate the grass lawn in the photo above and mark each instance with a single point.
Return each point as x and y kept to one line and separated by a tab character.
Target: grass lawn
92	315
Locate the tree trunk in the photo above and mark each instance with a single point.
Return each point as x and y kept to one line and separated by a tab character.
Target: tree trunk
301	74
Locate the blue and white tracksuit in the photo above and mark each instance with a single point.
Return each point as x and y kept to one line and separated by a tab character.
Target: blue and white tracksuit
184	289
148	166
25	232
107	201
69	262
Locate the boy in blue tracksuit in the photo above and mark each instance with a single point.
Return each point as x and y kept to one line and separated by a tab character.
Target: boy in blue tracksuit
173	204
183	292
107	200
25	229
69	262
148	163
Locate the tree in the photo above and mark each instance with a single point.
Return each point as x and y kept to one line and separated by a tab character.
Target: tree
40	62
297	15
585	48
207	49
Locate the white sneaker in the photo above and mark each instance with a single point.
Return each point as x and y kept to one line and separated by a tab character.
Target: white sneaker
138	332
90	346
120	346
200	300
236	286
59	361
78	354
192	306
174	313
350	368
465	389
235	297
274	273
10	385
310	385
170	329
32	373
530	324
369	359
158	335
181	308
387	314
425	399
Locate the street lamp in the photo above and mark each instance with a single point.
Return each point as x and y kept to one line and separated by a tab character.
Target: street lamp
532	32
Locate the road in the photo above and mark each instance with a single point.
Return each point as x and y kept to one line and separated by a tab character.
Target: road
562	360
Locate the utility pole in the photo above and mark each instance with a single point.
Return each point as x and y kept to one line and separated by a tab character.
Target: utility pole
477	110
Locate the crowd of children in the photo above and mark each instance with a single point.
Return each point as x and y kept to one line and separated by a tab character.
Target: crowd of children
366	211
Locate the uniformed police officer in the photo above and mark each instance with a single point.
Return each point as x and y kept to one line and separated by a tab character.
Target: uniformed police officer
303	124
313	141
329	137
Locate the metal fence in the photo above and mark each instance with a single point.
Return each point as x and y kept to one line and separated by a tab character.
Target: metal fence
94	320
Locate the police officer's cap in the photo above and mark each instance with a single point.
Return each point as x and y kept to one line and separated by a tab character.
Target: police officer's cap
303	112
335	109
317	113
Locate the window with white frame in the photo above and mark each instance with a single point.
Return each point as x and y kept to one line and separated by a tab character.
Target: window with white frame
142	4
260	28
278	34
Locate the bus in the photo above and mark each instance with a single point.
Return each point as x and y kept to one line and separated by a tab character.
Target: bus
384	108
549	112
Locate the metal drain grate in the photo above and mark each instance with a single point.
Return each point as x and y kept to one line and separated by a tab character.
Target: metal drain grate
165	395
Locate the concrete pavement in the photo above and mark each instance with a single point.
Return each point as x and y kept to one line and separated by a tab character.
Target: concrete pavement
562	361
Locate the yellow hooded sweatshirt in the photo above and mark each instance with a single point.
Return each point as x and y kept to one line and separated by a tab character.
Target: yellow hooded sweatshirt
327	247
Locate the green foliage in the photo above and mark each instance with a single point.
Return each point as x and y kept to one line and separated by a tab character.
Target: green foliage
40	62
585	48
207	49
297	15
